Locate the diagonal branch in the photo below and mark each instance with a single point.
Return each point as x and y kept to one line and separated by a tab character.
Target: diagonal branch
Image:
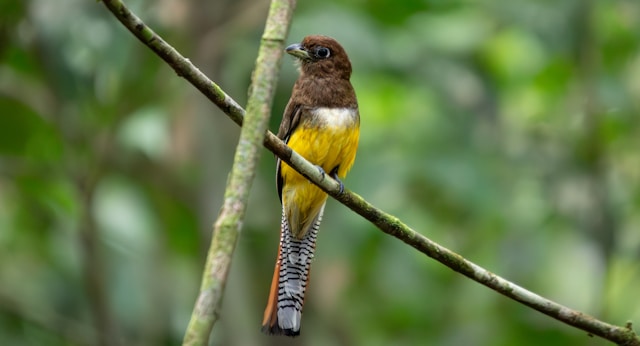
387	223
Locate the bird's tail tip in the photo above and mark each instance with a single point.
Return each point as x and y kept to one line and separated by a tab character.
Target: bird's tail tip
276	330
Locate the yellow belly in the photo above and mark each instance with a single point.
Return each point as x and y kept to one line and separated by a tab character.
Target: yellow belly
328	144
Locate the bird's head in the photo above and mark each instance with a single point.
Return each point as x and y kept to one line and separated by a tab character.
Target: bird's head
321	56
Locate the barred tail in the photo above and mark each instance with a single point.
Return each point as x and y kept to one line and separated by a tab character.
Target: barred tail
286	298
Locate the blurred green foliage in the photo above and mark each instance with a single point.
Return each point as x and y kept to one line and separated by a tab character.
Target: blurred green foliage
507	131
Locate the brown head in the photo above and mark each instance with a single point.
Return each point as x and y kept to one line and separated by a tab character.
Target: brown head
321	56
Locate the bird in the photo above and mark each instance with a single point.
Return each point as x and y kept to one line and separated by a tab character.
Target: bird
321	122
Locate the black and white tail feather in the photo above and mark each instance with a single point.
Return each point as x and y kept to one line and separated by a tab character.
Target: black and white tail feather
294	262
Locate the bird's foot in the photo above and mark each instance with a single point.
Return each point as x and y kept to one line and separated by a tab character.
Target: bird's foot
334	175
322	172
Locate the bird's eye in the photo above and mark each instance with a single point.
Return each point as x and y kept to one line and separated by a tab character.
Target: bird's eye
322	52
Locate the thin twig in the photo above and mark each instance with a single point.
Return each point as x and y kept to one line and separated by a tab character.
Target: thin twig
183	67
387	223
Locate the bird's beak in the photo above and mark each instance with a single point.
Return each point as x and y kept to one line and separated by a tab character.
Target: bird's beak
298	51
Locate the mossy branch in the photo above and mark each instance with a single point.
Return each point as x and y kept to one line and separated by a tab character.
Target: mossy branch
621	335
229	222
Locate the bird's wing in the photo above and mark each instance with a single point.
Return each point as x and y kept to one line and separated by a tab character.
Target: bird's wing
290	121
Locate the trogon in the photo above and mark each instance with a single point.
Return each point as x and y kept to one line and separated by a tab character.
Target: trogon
321	122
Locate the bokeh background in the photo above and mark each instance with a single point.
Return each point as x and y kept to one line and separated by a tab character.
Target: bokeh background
508	131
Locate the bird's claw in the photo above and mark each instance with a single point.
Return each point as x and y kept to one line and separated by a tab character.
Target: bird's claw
333	174
322	172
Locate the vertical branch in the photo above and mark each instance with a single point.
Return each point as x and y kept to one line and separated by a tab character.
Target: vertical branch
227	226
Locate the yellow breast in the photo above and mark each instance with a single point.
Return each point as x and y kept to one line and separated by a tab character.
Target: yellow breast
327	137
